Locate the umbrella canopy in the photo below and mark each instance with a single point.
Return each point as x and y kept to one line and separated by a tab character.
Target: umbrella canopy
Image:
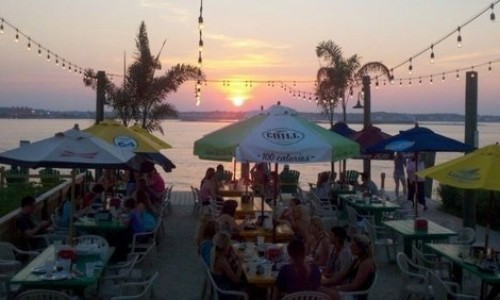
370	136
69	149
135	139
419	139
276	135
476	170
342	129
131	138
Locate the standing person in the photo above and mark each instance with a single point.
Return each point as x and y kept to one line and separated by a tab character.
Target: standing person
399	173
416	184
156	183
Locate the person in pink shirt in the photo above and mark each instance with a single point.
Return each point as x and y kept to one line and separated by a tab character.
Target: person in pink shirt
156	182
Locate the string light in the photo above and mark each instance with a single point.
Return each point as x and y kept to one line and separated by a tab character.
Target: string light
48	55
458	75
432	81
443	78
459	38
410	67
432	53
200	59
28	47
1	27
17	36
489	66
39	50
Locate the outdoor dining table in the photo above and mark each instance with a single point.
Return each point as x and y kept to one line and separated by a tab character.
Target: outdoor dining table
406	229
454	253
250	208
28	279
266	278
376	207
283	233
100	226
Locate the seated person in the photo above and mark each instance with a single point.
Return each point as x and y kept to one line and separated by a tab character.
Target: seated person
300	221
323	186
93	196
225	266
66	209
28	226
142	185
287	212
133	220
260	177
288	181
108	180
219	174
204	240
298	275
208	187
226	218
156	182
359	275
318	243
340	256
148	214
368	185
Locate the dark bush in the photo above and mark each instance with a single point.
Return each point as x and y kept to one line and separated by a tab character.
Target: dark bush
453	199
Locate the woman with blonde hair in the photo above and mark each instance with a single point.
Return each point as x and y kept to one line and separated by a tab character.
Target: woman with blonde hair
318	243
360	275
300	221
225	266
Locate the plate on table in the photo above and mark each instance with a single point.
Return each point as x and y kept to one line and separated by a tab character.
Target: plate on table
54	276
38	270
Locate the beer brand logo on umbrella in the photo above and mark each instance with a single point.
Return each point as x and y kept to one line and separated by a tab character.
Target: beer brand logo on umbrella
283	136
68	153
466	175
125	142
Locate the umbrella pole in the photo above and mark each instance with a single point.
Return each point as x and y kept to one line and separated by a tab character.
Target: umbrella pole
488	224
72	208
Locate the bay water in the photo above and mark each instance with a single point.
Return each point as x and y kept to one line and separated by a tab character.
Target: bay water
190	169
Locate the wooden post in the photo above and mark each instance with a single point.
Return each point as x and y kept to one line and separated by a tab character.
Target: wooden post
471	138
367	118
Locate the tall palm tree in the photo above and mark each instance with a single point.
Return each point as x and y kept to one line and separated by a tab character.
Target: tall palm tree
339	76
140	100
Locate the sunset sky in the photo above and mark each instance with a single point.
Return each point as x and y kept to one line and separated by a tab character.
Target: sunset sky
257	40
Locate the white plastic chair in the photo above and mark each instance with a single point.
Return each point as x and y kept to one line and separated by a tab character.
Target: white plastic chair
307	295
354	294
381	238
442	289
9	252
465	236
117	274
414	278
39	294
145	289
433	262
212	288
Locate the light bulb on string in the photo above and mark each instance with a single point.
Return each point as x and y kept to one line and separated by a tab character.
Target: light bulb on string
39	50
432	53
432	80
443	78
400	82
1	27
420	80
57	60
458	75
409	82
201	25
200	45
28	47
376	83
459	38
492	15
17	36
489	66
48	55
64	64
410	67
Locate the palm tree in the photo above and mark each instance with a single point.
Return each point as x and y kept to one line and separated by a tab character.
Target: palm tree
340	76
140	100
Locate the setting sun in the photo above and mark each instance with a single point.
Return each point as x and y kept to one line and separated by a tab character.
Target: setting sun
238	100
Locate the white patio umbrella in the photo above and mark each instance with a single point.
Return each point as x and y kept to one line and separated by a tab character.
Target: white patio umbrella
70	149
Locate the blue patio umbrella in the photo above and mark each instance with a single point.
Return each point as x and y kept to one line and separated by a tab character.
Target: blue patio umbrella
419	139
342	129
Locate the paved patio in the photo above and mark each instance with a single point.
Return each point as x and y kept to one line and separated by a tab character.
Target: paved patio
181	276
